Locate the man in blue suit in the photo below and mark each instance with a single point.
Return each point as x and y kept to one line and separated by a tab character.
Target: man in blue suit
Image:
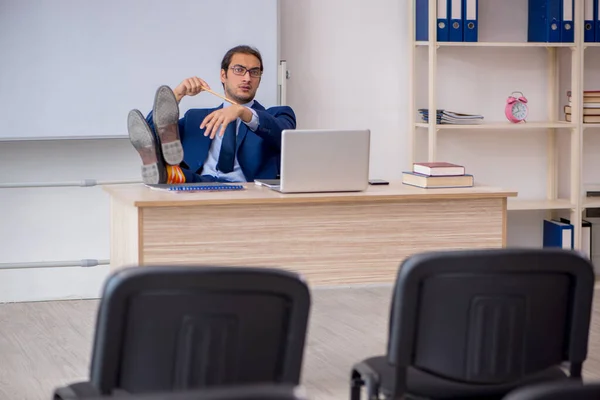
230	143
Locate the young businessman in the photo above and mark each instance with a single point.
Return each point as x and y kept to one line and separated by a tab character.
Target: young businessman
230	143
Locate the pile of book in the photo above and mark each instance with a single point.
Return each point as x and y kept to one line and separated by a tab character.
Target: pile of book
437	175
591	107
452	117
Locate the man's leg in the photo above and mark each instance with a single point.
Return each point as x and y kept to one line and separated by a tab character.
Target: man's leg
165	115
153	166
160	149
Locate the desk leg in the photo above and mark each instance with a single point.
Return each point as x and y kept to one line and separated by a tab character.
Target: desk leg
504	220
125	240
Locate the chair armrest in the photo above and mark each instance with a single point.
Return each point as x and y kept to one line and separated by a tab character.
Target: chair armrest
76	391
369	377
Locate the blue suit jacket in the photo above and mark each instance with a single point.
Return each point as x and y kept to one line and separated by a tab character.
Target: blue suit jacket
258	153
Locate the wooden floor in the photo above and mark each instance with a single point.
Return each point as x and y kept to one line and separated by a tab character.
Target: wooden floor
43	345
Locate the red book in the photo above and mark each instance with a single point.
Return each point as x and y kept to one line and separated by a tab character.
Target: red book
438	169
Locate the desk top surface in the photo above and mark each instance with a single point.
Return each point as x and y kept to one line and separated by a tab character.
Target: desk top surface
139	195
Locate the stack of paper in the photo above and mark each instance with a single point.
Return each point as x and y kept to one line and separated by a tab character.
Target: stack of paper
591	107
452	117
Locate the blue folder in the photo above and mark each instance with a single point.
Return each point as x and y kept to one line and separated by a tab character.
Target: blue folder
544	21
456	20
422	20
589	26
558	234
567	12
596	19
470	26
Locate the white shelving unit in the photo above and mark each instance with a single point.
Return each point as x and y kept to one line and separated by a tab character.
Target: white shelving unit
575	203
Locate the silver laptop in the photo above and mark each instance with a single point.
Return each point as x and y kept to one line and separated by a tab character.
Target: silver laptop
322	160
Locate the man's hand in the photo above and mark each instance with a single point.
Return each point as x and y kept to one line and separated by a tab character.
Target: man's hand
217	121
189	87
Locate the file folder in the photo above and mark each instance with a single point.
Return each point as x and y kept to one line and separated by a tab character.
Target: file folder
544	21
590	24
442	21
567	34
558	234
586	236
596	19
422	20
470	11
456	21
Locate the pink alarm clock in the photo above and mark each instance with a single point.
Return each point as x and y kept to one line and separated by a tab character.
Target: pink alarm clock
516	108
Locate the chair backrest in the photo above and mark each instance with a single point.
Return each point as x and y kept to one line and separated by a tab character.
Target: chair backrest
163	328
238	392
561	390
490	316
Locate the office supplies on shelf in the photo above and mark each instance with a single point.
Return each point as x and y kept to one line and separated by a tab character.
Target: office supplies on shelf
567	33
438	182
195	187
422	20
456	21
452	117
470	24
557	234
516	109
590	24
591	107
544	21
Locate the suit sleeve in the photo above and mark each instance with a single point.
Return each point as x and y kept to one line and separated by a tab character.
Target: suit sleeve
181	124
273	121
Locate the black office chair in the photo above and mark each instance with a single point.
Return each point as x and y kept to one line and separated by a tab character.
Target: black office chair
480	323
557	391
167	328
241	392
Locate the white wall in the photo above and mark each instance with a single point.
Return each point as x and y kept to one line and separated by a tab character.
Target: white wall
348	64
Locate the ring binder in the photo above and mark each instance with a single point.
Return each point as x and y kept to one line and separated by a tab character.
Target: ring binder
195	187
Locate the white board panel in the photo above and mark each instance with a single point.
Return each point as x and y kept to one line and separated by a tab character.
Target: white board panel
74	68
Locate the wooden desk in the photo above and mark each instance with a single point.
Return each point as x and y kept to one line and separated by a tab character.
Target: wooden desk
330	238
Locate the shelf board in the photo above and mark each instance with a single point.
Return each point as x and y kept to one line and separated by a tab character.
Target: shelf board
516	204
591	202
498	44
503	125
587	44
593	126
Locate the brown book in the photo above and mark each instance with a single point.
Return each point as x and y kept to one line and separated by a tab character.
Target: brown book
588	99
587	119
592	93
586	110
425	181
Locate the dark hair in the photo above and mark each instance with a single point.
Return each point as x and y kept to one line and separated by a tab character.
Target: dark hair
240	49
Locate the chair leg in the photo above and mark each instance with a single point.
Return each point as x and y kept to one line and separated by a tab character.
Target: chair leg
358	381
356	384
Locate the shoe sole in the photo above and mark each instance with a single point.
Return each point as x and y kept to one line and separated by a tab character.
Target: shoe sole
142	139
166	123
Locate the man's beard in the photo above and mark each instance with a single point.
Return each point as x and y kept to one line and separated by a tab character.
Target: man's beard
237	99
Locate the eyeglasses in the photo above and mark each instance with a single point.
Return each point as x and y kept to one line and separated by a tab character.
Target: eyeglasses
241	70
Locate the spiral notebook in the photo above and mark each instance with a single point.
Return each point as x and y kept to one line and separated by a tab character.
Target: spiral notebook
195	187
